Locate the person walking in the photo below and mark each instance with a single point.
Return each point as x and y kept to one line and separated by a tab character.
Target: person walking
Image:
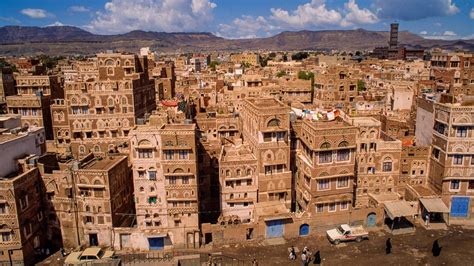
304	258
292	255
388	246
436	249
317	258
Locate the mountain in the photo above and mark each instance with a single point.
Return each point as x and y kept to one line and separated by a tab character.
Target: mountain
64	40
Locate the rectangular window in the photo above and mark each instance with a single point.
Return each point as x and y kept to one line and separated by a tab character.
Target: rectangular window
24	202
6	237
89	220
455	185
172	180
175	204
387	166
343	182
461	132
471	185
267	137
3	208
439	127
141	174
187	204
268	169
370	170
319	208
152	200
332	207
168	155
280	136
183	155
145	153
344	205
436	153
472	159
185	180
457	159
343	155
324	184
152	175
325	156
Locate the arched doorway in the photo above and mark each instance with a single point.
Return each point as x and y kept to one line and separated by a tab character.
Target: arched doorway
371	219
304	230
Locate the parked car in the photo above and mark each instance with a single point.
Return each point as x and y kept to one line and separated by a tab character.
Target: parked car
88	255
345	232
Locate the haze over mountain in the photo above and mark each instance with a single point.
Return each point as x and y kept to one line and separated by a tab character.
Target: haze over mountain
18	40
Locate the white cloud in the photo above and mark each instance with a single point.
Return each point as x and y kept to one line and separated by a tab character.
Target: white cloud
356	15
35	13
314	13
246	27
10	20
414	9
471	14
423	32
449	33
156	15
446	35
56	24
79	9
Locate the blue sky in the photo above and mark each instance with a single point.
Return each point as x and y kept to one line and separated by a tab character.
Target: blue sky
442	19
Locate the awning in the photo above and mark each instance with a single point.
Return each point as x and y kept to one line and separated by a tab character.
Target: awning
399	208
434	205
158	235
275	218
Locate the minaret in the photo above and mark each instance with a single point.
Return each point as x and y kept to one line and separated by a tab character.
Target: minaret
393	43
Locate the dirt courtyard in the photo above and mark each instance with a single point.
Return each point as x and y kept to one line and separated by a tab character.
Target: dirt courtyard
457	248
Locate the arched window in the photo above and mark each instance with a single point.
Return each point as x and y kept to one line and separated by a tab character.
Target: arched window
273	123
387	164
343	144
124	100
325	145
82	149
97	149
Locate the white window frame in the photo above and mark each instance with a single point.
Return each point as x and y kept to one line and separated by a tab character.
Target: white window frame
451	184
324	189
347	205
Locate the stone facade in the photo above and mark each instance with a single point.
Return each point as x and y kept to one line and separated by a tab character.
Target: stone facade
451	167
165	176
266	129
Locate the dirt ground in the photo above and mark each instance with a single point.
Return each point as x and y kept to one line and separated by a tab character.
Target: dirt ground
457	248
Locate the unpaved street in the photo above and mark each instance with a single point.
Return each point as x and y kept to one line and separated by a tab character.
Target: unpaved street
412	249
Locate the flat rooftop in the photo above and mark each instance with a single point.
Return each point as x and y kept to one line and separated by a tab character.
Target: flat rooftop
365	121
324	124
103	164
266	103
237	153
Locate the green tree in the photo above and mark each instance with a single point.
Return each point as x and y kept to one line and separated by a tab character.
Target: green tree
213	65
306	75
272	55
360	85
281	73
299	56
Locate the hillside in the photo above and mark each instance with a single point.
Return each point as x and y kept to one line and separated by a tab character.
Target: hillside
17	40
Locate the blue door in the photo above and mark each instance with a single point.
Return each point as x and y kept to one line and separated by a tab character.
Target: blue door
459	206
304	230
156	243
371	219
274	228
